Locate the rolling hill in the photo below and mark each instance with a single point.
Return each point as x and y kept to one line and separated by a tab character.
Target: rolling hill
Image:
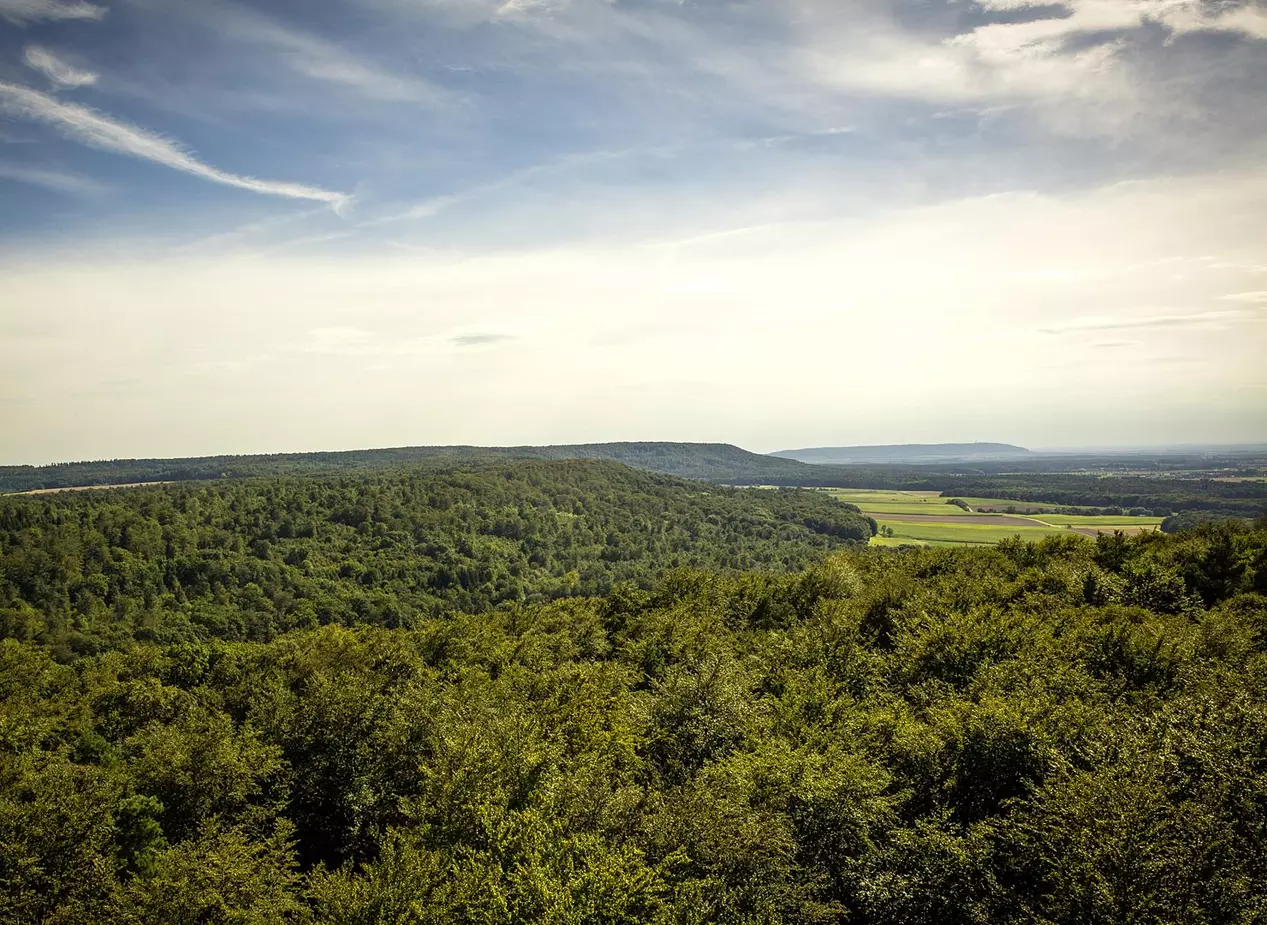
717	462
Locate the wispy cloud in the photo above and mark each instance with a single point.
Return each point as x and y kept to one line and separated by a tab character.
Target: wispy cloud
22	12
479	340
319	59
1148	321
302	52
57	180
347	341
96	130
1254	298
57	70
429	208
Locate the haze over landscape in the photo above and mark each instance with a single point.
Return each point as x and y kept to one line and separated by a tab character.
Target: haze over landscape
261	227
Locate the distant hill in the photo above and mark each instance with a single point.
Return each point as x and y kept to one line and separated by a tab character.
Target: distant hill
1138	482
717	462
904	453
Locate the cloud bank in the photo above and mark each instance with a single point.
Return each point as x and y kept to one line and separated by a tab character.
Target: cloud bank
928	321
776	222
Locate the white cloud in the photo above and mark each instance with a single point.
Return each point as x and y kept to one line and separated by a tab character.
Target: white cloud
1246	18
1120	323
56	180
57	70
22	12
1256	298
1109	15
96	130
1038	62
1014	61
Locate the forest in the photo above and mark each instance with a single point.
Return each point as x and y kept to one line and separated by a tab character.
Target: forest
719	462
249	559
1069	731
1233	484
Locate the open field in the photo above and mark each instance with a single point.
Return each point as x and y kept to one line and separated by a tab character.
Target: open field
962	519
854	495
929	502
1098	520
964	532
938	509
924	518
979	530
1007	504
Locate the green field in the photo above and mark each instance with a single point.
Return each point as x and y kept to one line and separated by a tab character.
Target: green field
940	509
1097	520
915	502
950	525
963	532
866	495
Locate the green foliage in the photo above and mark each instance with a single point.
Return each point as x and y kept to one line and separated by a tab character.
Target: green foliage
1062	732
1189	519
86	572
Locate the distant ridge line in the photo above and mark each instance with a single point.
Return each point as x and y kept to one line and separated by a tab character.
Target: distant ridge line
904	452
721	462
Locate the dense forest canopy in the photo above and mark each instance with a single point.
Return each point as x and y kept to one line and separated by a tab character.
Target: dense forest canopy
1069	732
253	558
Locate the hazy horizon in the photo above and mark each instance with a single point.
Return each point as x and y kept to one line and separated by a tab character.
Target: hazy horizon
1107	450
243	227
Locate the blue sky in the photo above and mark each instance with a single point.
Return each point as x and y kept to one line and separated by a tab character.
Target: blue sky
236	227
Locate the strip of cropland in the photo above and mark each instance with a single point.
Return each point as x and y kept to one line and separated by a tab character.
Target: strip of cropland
930	519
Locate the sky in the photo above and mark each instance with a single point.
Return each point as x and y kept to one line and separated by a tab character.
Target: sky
236	227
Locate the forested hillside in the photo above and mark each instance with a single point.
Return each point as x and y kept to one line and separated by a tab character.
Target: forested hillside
251	559
1072	733
718	462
